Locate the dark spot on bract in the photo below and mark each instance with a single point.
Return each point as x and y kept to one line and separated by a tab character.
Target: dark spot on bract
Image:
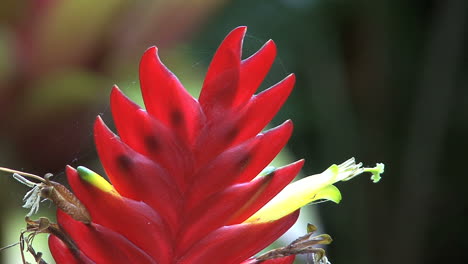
151	143
232	133
124	162
177	119
244	161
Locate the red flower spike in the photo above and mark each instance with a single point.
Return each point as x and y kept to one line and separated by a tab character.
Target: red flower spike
185	173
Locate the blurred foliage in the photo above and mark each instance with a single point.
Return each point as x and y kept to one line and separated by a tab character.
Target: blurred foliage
384	81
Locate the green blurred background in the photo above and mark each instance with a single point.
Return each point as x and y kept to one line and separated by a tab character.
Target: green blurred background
384	81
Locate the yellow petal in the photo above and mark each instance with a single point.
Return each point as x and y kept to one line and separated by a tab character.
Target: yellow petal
295	196
96	180
330	193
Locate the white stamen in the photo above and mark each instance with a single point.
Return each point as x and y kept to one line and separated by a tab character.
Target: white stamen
32	200
23	180
33	197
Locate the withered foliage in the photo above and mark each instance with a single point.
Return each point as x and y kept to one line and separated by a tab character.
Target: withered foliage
303	245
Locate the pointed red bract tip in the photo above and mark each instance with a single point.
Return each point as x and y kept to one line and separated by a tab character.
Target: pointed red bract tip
253	71
166	99
262	108
222	79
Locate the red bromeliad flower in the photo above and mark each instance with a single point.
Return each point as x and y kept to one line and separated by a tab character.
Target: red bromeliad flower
185	173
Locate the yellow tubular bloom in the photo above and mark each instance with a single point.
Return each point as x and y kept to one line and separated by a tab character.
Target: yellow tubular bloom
312	188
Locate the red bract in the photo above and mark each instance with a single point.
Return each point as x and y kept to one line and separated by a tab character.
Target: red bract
183	171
